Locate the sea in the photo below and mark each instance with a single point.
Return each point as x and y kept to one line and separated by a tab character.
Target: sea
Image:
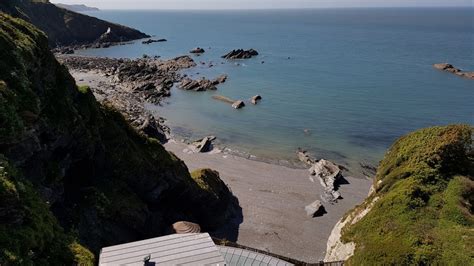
343	84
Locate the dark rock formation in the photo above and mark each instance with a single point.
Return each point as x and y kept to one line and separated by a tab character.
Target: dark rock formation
74	174
197	50
451	69
202	145
240	54
219	80
131	83
197	85
149	41
65	27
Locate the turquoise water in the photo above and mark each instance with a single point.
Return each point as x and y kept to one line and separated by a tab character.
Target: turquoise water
357	79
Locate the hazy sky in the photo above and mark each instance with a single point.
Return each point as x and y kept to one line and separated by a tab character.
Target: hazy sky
251	4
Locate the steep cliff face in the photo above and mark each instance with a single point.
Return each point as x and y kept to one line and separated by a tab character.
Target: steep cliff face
73	174
65	27
420	211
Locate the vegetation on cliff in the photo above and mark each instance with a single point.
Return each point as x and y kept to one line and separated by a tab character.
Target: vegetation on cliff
424	211
74	176
65	27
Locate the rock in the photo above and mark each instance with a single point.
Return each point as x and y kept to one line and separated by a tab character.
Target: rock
202	145
304	157
220	79
314	209
197	50
238	104
240	54
451	69
149	41
132	83
152	129
197	85
255	99
327	172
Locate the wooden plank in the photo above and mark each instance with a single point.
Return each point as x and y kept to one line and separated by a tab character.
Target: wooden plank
162	255
152	248
150	241
168	250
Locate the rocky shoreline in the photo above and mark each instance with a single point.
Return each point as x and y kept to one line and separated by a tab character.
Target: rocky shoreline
127	85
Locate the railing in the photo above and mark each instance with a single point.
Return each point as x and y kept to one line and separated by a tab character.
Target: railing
227	243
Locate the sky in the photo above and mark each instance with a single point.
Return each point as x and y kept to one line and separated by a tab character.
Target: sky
259	4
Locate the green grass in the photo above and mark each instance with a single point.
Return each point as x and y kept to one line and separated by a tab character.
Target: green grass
424	212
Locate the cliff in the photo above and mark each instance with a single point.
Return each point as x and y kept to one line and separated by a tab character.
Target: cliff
420	210
65	27
77	8
74	176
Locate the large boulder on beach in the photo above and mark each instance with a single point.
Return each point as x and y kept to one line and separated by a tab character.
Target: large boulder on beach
314	209
202	145
240	54
238	104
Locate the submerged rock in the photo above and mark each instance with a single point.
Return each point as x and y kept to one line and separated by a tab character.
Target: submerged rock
149	41
451	69
197	50
304	157
220	79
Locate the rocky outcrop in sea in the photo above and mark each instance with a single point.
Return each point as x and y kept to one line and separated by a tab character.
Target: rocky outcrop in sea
451	69
240	54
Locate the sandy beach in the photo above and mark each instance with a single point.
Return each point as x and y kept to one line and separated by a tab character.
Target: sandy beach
272	197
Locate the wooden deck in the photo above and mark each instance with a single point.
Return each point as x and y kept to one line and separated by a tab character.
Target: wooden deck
177	249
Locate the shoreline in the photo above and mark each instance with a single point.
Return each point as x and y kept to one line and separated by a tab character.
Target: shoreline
272	196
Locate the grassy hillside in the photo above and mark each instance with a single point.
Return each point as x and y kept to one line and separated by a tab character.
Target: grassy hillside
65	27
424	211
74	176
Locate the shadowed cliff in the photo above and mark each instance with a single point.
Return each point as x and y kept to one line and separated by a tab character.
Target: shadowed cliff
74	176
65	27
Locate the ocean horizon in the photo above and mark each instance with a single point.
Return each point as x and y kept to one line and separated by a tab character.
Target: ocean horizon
342	83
